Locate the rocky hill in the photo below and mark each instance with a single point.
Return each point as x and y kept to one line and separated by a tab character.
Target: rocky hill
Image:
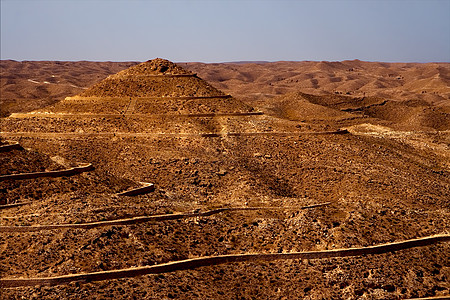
250	199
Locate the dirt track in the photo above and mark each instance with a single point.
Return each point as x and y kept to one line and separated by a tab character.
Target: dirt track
144	135
10	146
144	189
216	260
144	219
61	115
59	173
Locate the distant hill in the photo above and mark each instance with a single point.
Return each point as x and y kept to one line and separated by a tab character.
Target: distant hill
30	85
399	81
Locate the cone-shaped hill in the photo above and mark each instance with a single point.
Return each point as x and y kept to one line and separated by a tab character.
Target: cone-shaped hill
147	98
157	66
154	78
154	87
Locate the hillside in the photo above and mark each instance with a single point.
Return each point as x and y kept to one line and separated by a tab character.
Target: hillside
399	81
29	85
271	195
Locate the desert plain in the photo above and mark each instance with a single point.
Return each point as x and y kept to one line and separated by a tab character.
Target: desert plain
245	180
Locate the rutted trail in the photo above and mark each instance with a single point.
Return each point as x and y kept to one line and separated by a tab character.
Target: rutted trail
11	146
58	173
92	115
5	206
144	134
144	189
194	263
144	219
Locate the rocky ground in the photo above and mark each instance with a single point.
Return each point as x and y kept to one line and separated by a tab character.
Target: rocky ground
386	180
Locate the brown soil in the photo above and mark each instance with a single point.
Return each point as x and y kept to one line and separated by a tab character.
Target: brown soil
405	115
257	82
429	82
386	181
29	85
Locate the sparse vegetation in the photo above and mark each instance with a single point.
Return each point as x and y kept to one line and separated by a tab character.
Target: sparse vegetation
386	180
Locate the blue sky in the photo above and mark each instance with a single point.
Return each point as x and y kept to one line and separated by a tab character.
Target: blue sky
218	31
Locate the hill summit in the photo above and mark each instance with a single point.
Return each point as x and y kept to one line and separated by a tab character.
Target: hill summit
156	89
157	66
153	78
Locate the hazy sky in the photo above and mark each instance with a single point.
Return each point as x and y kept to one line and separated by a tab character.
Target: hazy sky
218	31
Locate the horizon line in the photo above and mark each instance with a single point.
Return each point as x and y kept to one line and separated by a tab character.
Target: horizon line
235	61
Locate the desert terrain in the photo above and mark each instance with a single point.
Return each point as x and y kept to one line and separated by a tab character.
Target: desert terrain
284	180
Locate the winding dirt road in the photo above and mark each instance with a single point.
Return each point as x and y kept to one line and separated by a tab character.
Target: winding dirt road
58	173
144	219
194	263
144	134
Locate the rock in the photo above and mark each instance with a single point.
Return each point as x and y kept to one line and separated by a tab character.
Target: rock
222	172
